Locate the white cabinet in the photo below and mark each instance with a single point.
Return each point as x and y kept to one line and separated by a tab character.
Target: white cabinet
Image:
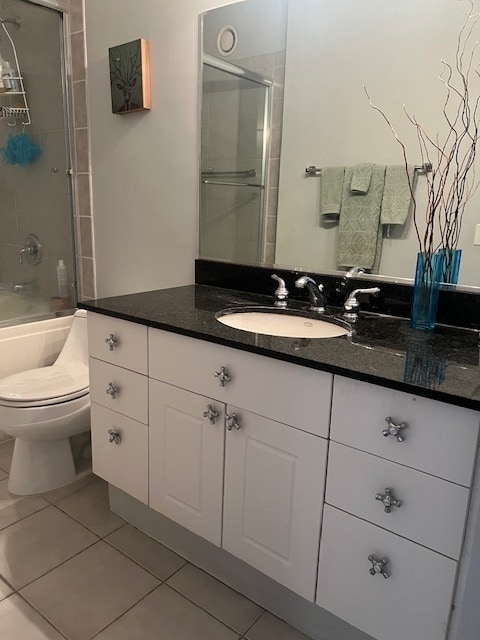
274	484
427	471
269	495
119	394
186	459
256	487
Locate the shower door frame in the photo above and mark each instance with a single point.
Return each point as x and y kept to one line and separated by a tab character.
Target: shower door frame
245	74
63	9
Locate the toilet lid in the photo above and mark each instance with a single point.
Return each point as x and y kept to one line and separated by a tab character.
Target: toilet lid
47	385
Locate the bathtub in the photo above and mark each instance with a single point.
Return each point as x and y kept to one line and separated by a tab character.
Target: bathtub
15	307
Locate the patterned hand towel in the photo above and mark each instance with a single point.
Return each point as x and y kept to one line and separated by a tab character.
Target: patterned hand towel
397	198
358	232
361	178
331	192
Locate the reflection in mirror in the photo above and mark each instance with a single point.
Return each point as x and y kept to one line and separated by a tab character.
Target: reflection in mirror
320	60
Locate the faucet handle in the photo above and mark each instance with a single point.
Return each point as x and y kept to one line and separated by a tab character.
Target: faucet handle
352	306
281	292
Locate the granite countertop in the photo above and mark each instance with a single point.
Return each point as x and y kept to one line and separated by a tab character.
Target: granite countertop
443	365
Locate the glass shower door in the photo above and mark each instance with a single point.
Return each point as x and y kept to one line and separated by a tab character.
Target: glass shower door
233	160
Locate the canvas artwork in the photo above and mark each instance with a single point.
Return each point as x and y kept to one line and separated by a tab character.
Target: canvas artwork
130	77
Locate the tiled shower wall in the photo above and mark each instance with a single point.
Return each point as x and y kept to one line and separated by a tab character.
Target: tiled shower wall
81	157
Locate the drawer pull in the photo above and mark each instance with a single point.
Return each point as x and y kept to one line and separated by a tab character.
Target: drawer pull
114	436
378	566
223	376
394	429
232	422
112	341
112	390
388	500
210	413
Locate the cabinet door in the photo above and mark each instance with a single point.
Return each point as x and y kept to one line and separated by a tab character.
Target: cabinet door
186	459
413	603
120	451
274	485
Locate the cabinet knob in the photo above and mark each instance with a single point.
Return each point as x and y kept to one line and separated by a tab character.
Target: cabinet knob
112	341
112	390
223	376
232	422
378	566
388	500
114	436
211	414
394	429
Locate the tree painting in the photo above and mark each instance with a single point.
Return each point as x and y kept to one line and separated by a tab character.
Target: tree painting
129	77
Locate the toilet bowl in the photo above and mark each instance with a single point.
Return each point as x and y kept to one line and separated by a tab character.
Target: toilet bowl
42	408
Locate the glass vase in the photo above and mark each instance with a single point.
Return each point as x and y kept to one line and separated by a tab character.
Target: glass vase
426	290
451	265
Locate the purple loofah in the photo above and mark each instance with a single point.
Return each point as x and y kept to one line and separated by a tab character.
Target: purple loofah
20	150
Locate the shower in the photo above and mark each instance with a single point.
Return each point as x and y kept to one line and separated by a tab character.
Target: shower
37	256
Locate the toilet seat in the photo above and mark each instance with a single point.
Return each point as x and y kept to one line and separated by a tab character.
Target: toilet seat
45	386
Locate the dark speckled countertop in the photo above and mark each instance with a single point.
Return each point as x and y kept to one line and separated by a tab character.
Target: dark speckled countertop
443	365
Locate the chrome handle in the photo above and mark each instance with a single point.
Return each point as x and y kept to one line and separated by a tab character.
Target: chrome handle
232	422
115	436
223	376
211	414
281	293
395	429
112	341
378	566
112	390
388	500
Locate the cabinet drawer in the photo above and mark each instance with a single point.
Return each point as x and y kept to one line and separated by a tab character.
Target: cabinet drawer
279	390
123	464
439	439
432	511
129	346
131	396
414	602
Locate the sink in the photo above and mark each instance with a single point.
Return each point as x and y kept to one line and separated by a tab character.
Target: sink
286	323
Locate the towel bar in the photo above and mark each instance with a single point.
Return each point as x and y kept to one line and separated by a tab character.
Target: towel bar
312	171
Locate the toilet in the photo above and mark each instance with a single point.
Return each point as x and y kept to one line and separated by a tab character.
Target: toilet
42	408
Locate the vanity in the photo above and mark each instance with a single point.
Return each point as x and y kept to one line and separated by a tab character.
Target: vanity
331	480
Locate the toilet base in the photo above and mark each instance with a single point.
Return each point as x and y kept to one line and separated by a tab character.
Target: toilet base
39	466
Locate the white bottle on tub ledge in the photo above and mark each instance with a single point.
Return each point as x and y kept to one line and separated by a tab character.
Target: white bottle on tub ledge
62	280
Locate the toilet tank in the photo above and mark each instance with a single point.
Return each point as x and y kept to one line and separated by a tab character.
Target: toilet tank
75	349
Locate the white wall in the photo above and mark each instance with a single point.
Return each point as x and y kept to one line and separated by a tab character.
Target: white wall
145	165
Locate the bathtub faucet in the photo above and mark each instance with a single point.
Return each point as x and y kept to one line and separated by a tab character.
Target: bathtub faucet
29	288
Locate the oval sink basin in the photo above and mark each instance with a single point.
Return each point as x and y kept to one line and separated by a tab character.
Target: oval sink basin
282	323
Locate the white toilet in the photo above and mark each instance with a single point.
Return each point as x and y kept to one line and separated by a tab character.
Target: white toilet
41	409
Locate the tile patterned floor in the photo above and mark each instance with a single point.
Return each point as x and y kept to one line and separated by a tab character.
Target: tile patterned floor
70	569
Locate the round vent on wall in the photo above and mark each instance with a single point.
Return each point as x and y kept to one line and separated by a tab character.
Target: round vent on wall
227	40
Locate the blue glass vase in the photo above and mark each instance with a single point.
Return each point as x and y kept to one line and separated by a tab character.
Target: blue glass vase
426	289
451	265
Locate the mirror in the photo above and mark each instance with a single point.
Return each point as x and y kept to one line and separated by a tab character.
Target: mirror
319	56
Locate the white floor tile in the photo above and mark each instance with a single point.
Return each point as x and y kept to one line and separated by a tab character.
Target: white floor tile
18	621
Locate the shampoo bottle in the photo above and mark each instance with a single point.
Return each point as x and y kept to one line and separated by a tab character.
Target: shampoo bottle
62	279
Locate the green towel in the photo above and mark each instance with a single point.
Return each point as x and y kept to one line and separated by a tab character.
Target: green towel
331	191
361	178
359	232
397	198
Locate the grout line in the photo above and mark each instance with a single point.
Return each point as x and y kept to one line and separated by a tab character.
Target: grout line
42	615
126	611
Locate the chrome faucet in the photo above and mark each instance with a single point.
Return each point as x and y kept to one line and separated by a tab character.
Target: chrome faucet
351	308
281	292
315	293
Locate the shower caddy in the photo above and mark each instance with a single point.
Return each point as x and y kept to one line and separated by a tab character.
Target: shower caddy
18	105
